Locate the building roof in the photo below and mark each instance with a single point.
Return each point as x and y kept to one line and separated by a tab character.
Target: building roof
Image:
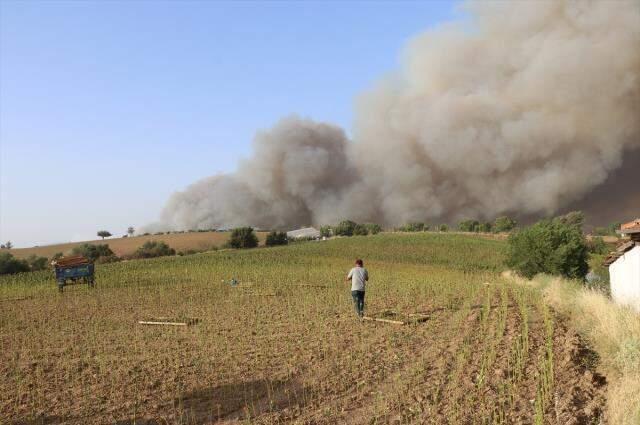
307	232
631	227
619	252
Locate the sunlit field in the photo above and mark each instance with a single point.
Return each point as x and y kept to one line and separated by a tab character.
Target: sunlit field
285	346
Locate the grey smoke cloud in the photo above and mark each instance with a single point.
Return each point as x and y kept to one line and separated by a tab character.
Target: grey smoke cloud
524	112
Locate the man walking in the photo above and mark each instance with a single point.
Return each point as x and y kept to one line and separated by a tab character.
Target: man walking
358	276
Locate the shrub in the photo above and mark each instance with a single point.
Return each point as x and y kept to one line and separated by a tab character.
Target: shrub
373	228
276	238
93	252
360	230
152	249
598	246
443	228
242	237
10	265
57	256
469	226
574	218
550	246
345	228
37	263
484	227
504	224
325	231
413	227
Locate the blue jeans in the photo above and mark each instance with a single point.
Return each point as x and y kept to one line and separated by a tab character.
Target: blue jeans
358	302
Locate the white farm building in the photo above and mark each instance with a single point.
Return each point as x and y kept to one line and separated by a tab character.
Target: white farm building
306	233
624	267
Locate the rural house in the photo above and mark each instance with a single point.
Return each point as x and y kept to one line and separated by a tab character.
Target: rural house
305	233
624	267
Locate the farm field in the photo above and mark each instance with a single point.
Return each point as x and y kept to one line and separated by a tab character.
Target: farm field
285	345
125	246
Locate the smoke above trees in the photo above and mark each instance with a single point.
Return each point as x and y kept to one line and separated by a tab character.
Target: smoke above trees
525	112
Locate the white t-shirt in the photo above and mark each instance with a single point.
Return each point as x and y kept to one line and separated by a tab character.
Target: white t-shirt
359	277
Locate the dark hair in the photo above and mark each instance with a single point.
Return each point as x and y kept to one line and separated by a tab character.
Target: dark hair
359	262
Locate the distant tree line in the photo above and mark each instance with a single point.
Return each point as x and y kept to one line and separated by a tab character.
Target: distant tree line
350	228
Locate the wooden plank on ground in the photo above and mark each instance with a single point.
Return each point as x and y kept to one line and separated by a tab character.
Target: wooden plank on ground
141	322
376	319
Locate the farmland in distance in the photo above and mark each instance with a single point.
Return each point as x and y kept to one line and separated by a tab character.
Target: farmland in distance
285	346
198	241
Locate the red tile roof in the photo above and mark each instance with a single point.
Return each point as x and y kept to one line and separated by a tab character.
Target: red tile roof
631	227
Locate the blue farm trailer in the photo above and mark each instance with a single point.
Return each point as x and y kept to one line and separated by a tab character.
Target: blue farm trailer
74	270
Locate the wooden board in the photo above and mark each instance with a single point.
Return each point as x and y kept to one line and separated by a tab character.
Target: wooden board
376	319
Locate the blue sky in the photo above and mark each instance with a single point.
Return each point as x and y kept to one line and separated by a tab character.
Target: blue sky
106	108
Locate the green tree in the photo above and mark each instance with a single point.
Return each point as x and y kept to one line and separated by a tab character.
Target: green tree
414	227
11	265
242	237
573	218
373	228
550	246
468	226
276	238
484	227
93	252
597	245
37	263
8	245
104	234
504	224
151	249
360	230
443	228
345	228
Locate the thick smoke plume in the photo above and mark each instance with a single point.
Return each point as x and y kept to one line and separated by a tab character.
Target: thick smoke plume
524	111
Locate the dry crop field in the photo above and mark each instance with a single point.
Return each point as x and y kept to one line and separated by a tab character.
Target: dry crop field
285	346
198	241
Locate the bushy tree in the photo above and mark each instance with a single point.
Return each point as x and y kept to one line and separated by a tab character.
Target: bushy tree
443	228
360	230
373	228
504	224
94	252
242	237
151	249
573	218
37	263
7	245
345	228
104	234
325	231
469	226
597	245
10	265
550	246
276	238
412	227
484	227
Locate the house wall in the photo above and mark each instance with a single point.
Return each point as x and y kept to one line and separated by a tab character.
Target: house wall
624	275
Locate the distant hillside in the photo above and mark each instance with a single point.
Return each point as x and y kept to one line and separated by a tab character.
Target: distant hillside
124	246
